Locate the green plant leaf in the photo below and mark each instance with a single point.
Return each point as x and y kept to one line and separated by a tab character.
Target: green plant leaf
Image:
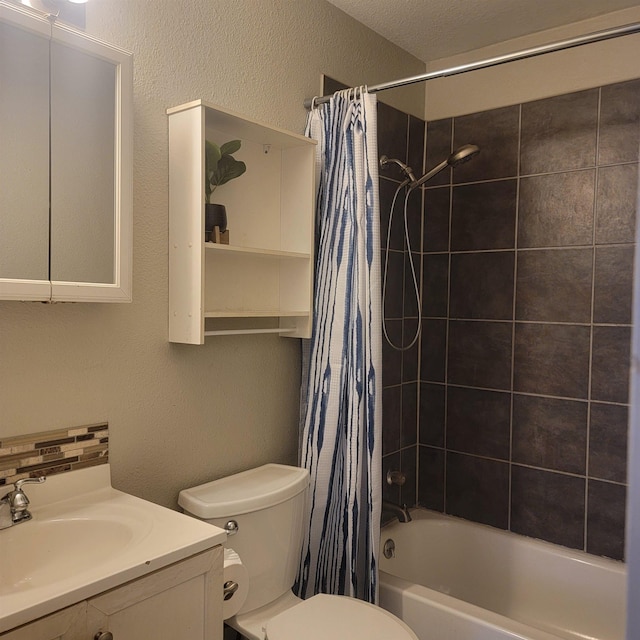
220	165
213	153
228	169
230	147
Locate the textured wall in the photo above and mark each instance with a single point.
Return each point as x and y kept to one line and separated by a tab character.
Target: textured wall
179	415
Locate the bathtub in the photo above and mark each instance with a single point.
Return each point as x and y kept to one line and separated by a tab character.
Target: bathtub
456	580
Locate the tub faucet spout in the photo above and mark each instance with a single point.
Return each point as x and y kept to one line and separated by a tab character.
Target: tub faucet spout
401	512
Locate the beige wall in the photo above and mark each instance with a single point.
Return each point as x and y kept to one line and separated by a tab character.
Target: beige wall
551	74
179	415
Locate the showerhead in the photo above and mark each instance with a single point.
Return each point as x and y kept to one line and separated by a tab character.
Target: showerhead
459	156
463	154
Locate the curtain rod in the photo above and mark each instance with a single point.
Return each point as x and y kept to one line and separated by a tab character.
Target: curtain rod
589	38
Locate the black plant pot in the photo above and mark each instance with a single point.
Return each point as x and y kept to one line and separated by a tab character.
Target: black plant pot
215	215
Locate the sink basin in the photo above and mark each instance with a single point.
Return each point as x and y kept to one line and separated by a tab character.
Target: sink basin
46	550
85	538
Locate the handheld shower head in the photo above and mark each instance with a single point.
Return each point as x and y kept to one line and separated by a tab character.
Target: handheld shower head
463	154
459	156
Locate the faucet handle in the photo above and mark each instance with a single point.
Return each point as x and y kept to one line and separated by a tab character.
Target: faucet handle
18	484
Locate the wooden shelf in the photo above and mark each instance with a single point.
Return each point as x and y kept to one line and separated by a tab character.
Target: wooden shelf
266	275
240	313
268	253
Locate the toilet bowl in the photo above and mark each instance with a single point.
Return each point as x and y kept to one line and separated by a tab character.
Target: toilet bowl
263	511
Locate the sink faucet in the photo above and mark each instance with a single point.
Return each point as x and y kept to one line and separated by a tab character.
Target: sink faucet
13	506
401	512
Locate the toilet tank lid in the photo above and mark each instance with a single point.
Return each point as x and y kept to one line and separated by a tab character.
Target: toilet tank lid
244	492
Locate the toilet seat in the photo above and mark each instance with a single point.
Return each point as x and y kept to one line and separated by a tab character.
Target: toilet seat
326	616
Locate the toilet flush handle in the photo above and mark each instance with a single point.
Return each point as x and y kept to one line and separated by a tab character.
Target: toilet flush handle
231	528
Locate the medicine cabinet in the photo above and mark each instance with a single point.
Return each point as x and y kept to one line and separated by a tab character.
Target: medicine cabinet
261	282
65	162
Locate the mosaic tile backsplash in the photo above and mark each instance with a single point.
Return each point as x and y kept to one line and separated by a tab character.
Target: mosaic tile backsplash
51	452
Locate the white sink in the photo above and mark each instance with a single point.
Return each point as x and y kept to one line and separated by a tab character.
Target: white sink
86	537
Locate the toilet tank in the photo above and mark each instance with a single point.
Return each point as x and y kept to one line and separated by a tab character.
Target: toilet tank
268	503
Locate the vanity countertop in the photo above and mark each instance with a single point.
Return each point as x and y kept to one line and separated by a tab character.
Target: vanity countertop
85	538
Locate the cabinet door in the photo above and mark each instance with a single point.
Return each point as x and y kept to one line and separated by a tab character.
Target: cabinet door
180	602
66	624
24	156
65	162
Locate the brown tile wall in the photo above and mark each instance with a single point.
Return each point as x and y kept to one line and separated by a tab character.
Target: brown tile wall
527	281
50	452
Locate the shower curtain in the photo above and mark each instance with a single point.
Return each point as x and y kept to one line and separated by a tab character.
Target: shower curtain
341	404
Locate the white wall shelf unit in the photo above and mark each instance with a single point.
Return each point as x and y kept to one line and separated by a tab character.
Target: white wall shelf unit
262	281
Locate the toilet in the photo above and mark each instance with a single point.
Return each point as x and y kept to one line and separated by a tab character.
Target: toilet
263	511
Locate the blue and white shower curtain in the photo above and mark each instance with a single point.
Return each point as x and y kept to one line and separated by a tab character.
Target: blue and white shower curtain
341	434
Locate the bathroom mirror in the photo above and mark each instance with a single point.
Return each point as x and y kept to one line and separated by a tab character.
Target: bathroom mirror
65	162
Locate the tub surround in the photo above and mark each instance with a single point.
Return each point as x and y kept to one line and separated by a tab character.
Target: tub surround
527	266
50	452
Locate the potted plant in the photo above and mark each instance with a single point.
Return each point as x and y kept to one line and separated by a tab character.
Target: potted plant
220	168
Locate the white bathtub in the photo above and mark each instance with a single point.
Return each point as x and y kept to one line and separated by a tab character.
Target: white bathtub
456	580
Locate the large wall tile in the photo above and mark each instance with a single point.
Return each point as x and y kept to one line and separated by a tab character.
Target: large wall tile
435	285
616	204
550	433
391	419
393	262
393	130
556	210
480	354
432	414
619	123
554	285
410	355
548	505
415	153
613	286
478	422
438	149
409	466
409	414
559	133
610	363
436	219
552	359
433	355
392	358
606	519
482	285
608	433
431	478
496	133
478	489
483	216
396	238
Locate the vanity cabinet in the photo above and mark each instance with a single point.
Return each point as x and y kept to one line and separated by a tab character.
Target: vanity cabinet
262	281
182	601
65	162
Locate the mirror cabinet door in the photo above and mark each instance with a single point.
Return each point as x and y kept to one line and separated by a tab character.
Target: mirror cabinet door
24	160
83	100
65	162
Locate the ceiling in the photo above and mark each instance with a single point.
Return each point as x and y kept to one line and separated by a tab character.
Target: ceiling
432	29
